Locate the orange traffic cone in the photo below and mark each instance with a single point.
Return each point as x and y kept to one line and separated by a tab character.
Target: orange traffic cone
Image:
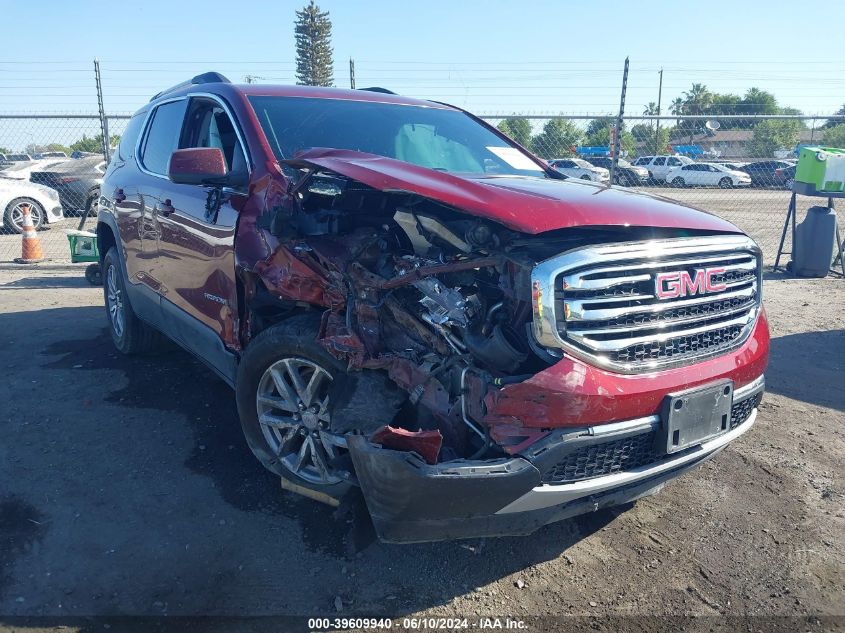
31	252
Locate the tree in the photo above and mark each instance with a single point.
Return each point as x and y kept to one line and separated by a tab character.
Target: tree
834	136
654	143
757	101
650	109
5	150
93	144
313	30
771	135
598	134
834	122
697	100
518	128
556	139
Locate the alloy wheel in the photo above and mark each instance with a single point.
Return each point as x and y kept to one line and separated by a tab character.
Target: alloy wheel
17	213
293	411
114	299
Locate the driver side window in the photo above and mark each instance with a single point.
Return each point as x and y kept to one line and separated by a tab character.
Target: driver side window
208	125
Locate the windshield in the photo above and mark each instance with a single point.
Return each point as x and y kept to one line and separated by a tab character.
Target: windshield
582	163
437	138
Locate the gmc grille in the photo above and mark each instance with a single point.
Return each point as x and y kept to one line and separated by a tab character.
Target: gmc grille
613	306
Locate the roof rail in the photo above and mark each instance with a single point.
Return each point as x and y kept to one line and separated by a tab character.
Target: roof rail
205	78
378	89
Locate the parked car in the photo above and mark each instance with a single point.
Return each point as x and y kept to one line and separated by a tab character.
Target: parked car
23	170
735	166
627	174
659	166
764	173
579	168
707	175
17	158
43	202
786	175
412	308
77	181
50	155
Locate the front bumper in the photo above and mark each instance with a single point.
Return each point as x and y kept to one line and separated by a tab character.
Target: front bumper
55	213
411	501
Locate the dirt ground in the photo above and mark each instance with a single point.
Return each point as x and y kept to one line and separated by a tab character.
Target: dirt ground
126	489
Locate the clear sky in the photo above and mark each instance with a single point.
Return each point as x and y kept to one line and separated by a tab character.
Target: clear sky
491	57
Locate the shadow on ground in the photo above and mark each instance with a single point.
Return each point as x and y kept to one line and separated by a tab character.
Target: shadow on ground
398	579
810	367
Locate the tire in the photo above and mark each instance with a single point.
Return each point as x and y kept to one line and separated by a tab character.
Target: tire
276	354
678	182
13	215
585	177
93	275
129	334
726	183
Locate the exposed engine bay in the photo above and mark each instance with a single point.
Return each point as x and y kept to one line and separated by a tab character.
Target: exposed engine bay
429	308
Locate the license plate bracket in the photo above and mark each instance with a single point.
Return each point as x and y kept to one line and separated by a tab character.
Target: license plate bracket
694	416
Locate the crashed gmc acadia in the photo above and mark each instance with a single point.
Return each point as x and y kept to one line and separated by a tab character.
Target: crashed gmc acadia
409	304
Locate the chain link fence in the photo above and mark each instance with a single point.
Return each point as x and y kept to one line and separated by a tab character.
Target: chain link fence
737	168
53	165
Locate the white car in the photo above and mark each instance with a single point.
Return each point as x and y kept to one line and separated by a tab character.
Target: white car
23	170
43	203
659	166
707	175
579	168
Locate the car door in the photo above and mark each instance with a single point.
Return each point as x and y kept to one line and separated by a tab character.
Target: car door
673	162
196	241
658	168
160	138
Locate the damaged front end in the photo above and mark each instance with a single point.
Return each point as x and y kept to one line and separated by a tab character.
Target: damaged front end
421	295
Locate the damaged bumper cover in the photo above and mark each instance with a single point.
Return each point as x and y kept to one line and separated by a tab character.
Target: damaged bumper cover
412	501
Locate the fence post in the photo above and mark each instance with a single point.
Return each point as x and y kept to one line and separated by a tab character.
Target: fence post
614	149
104	123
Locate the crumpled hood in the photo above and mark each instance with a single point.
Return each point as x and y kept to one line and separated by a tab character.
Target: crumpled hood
525	204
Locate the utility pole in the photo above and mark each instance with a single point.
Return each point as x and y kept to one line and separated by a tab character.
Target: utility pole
352	73
614	150
657	127
104	123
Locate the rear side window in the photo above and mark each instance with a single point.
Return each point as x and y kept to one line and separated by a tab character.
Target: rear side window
162	136
129	139
660	160
673	161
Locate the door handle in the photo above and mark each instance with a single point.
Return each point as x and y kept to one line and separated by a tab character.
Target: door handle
119	196
166	208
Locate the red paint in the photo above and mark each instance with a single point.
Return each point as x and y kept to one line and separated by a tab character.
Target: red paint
573	393
426	443
530	205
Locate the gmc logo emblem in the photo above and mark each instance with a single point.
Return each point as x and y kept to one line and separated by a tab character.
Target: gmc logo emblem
681	284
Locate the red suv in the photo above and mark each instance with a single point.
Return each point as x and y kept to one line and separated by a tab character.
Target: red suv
409	305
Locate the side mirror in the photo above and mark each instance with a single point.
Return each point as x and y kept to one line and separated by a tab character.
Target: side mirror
198	166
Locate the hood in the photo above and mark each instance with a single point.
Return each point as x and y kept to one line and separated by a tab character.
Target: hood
525	204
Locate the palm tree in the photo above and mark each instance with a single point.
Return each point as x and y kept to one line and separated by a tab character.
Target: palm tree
698	99
678	107
650	109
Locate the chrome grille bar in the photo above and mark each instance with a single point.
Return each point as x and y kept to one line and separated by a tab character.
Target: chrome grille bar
610	305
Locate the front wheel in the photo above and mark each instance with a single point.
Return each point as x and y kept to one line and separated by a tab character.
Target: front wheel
284	392
13	217
678	182
726	183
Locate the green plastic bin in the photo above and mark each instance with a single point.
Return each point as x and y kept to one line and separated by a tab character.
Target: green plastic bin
820	170
83	246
